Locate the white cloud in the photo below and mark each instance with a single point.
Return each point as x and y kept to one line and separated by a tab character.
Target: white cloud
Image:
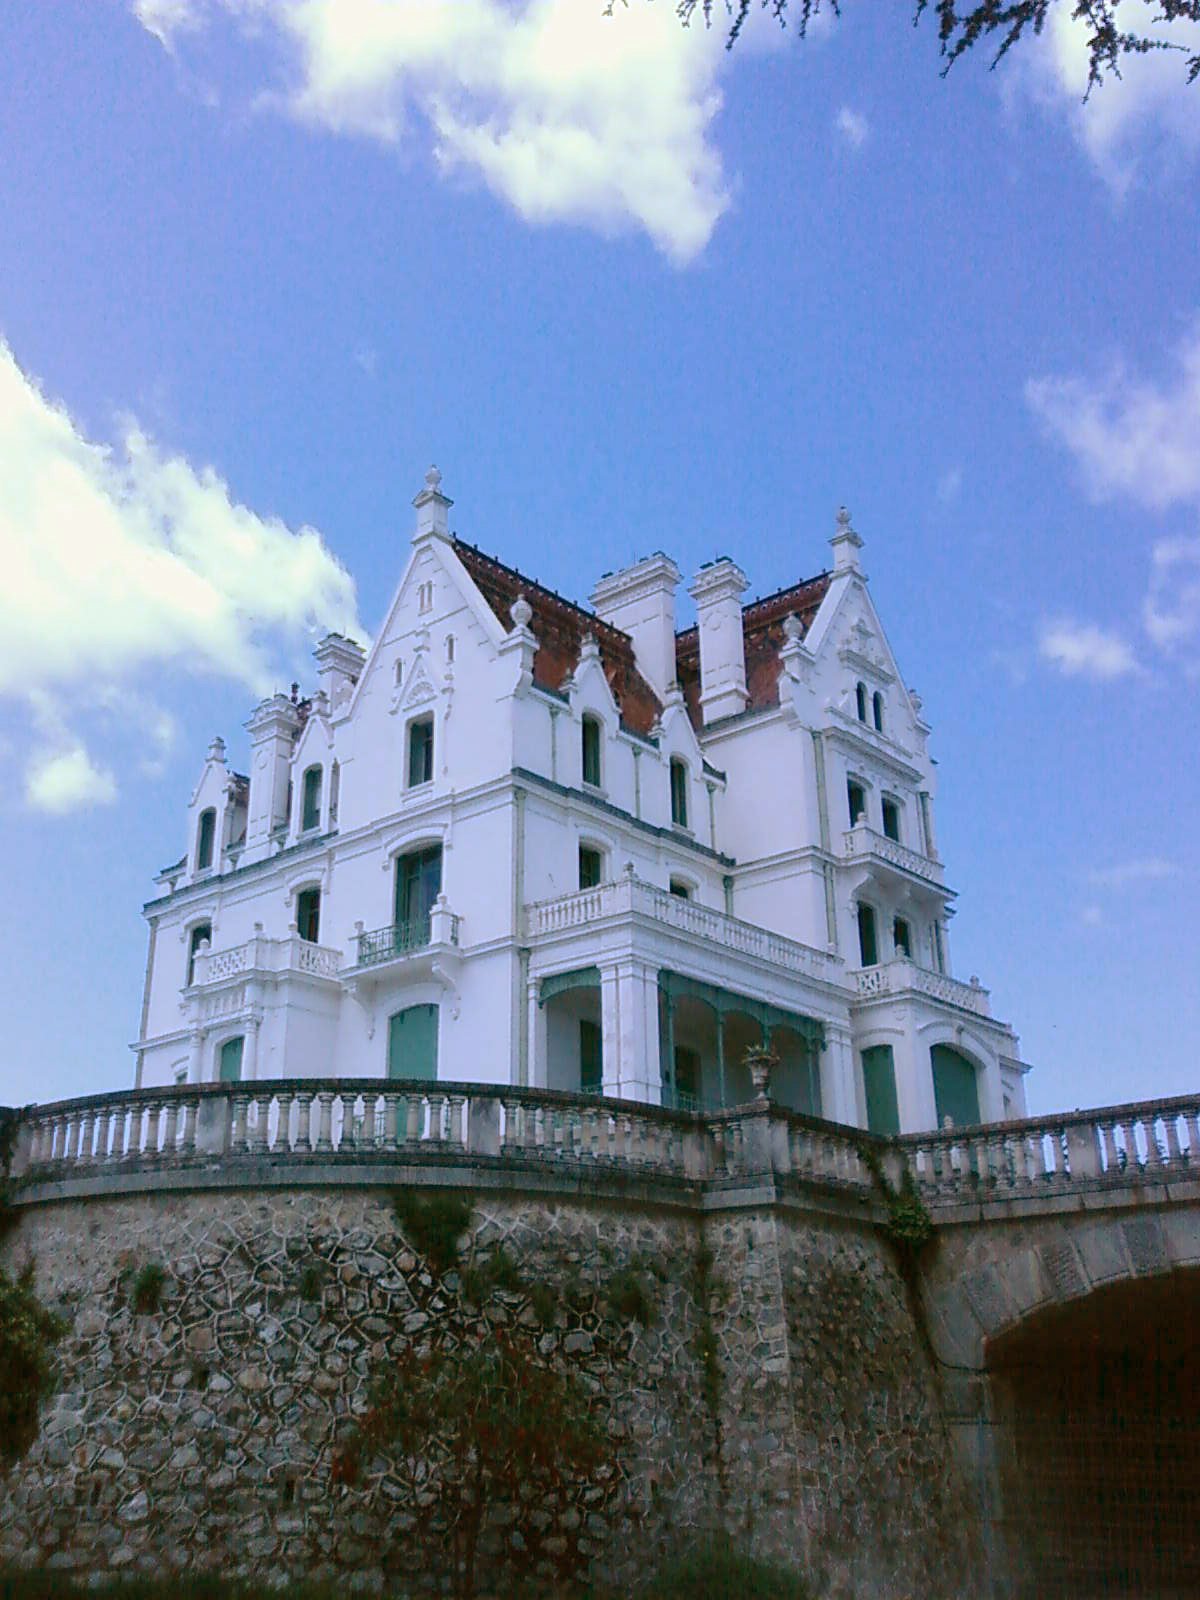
853	127
1171	610
1130	435
1083	650
1149	112
61	781
566	114
121	562
1145	869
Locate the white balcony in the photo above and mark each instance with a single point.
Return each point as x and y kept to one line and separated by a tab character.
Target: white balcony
863	844
426	946
901	977
266	958
630	897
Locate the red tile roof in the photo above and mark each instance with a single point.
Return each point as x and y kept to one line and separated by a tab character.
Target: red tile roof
762	631
561	627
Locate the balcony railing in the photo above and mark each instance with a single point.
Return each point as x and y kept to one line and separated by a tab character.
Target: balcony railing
260	954
861	842
629	895
906	977
315	1122
405	938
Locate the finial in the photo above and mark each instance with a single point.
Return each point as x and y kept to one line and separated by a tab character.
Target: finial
521	611
589	650
843	517
791	627
216	750
846	544
431	507
433	479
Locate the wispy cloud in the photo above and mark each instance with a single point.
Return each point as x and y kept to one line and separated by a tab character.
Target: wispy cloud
949	486
853	127
1171	610
1084	650
1143	869
568	115
122	562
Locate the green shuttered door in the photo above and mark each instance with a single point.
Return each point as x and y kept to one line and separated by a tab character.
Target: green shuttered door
879	1082
955	1087
412	1043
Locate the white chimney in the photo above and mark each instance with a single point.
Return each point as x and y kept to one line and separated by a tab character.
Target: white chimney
272	729
339	666
717	590
640	600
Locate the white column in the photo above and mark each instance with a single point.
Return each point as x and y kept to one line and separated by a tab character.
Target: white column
914	1079
610	1029
640	1074
538	1064
195	1055
250	1050
842	1099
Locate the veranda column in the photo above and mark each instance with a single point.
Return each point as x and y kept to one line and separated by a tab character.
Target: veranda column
914	1077
535	1037
610	1029
842	1096
250	1050
195	1055
639	1069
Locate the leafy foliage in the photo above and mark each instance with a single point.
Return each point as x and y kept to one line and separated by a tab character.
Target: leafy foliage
909	1225
630	1297
490	1425
28	1334
148	1285
1001	23
720	1571
433	1224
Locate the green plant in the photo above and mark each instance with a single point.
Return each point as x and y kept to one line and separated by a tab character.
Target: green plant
718	1570
312	1280
544	1302
433	1224
909	1225
146	1295
629	1296
28	1334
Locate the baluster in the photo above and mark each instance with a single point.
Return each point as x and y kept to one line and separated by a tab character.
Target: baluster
412	1126
1171	1129
349	1135
102	1121
303	1144
529	1128
120	1125
1108	1146
510	1140
1192	1119
281	1140
152	1130
391	1131
190	1108
62	1137
454	1126
1154	1157
1133	1156
83	1137
325	1121
240	1105
171	1127
437	1104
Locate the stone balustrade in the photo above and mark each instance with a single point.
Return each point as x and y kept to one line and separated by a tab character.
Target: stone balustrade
861	841
898	976
262	955
629	896
329	1122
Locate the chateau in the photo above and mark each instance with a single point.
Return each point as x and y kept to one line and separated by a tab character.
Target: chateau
522	842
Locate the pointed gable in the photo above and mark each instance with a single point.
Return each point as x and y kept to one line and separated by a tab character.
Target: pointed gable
560	627
763	638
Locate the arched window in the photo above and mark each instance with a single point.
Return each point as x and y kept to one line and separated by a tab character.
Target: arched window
860	700
229	1062
868	943
877	709
310	800
955	1087
679	792
200	934
592	729
206	834
856	802
308	915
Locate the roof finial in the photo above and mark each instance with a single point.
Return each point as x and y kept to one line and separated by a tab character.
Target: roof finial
433	479
431	507
846	544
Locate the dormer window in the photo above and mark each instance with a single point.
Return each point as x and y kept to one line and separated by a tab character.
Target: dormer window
860	701
420	752
877	710
310	800
590	737
891	818
679	792
206	835
856	800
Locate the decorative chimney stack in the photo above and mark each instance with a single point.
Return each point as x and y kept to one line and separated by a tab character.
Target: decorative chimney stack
431	507
640	600
717	590
339	665
272	729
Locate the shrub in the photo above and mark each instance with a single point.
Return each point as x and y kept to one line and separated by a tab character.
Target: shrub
719	1571
433	1225
28	1334
629	1297
148	1289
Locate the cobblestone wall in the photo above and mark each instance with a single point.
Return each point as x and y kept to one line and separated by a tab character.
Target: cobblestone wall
780	1389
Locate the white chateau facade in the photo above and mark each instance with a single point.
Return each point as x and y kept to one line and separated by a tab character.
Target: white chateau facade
521	842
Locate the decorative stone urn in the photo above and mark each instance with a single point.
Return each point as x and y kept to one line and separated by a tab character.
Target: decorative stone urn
762	1061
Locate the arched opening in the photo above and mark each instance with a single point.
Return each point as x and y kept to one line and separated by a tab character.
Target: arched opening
590	738
868	937
413	1043
420	752
860	701
206	833
229	1060
310	800
796	1081
877	710
955	1087
1097	1412
574	1031
200	934
879	1089
308	915
679	792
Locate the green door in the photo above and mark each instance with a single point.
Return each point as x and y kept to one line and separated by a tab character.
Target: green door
879	1083
955	1087
231	1060
591	1057
418	884
412	1043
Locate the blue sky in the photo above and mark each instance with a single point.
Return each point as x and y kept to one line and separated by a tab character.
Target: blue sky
261	262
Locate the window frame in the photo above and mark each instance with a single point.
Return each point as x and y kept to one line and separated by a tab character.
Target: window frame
681	888
591	744
206	839
423	723
853	784
195	936
889	805
594	853
680	778
866	918
860	701
304	899
877	710
902	948
312	783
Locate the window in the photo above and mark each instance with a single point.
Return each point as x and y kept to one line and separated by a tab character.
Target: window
955	1087
413	1043
425	597
229	1062
308	915
679	792
860	701
418	884
449	649
335	792
591	751
199	935
420	752
879	1085
205	839
902	938
591	1057
310	800
877	710
856	799
681	890
591	866
399	672
867	943
687	1078
891	819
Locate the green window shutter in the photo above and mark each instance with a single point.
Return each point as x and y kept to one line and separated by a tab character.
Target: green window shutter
231	1060
879	1085
591	1056
413	1043
867	943
418	884
955	1087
